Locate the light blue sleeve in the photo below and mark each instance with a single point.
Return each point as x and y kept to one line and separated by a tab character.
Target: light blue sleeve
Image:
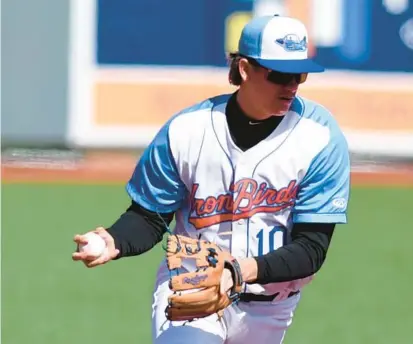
324	192
155	183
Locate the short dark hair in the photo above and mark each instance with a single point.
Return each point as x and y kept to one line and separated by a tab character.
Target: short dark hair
234	76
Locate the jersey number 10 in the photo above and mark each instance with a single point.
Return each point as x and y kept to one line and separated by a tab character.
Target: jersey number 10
270	240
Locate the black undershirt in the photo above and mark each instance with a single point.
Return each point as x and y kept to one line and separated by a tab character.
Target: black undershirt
138	229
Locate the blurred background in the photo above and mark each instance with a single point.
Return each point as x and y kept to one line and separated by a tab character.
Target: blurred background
86	84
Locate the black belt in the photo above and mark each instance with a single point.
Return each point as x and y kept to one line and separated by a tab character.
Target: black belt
248	297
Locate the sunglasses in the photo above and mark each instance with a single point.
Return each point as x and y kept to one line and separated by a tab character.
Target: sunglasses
280	78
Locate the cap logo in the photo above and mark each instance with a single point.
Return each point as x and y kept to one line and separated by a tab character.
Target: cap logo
292	42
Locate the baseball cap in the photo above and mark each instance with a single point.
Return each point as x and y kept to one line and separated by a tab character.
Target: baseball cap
278	43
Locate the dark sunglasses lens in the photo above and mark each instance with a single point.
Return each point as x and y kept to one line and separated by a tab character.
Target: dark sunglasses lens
286	78
279	78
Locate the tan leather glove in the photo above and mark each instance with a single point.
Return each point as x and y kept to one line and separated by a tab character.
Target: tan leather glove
206	297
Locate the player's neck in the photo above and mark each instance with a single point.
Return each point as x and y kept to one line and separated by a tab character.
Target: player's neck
252	109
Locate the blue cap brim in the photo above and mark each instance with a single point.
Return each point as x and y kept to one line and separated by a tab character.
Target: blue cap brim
292	66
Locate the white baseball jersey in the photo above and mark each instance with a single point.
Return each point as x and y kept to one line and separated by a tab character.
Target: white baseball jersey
246	201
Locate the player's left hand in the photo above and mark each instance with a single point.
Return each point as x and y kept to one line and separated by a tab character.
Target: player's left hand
216	283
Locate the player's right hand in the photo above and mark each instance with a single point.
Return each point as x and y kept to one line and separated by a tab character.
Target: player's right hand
91	261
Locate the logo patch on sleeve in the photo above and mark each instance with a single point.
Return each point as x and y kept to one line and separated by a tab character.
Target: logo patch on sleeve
340	203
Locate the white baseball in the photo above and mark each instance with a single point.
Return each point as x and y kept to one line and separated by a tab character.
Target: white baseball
95	246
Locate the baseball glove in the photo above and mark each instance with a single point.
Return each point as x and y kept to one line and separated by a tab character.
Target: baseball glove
197	294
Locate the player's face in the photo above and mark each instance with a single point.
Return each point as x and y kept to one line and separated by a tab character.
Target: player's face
274	91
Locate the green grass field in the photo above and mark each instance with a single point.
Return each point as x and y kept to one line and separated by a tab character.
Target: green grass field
362	294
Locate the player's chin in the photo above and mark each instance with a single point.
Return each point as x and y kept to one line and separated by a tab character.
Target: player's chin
282	105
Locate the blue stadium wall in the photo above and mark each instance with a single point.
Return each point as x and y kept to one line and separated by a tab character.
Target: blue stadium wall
192	33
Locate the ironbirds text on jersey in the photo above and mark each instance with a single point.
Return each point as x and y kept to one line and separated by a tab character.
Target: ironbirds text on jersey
244	198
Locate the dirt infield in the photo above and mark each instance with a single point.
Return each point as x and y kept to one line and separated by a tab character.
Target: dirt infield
97	168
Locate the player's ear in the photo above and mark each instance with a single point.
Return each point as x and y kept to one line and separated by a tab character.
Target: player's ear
244	68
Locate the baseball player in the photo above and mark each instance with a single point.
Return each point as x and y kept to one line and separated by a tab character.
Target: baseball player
256	181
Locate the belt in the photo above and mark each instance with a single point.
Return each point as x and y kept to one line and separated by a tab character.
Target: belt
248	297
